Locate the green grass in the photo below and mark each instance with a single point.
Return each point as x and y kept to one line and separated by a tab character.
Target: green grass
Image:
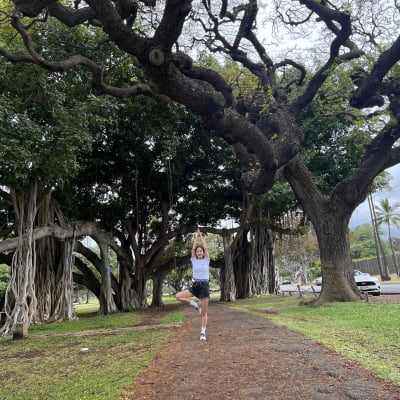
49	364
111	321
82	309
175	317
365	332
55	368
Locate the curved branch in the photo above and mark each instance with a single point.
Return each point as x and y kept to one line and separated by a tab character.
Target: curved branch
74	61
76	230
353	190
234	128
295	65
246	25
119	32
32	8
342	38
184	63
86	278
172	22
368	87
300	180
69	16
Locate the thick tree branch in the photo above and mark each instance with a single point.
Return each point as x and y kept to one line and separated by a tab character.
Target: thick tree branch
77	230
86	278
367	93
172	22
299	178
63	66
378	156
113	24
185	64
71	17
32	8
353	190
342	38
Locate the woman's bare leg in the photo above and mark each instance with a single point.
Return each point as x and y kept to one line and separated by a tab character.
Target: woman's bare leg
184	296
204	314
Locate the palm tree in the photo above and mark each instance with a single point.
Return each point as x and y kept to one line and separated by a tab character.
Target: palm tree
383	268
390	215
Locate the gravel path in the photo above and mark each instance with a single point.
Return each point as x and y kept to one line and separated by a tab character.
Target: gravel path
247	357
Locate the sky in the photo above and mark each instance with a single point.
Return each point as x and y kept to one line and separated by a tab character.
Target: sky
362	215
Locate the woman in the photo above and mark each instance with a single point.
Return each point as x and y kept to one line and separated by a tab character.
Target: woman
200	260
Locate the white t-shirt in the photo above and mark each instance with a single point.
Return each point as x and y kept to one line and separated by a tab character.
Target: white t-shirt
200	268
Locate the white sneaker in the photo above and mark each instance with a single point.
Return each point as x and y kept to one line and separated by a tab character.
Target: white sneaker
203	337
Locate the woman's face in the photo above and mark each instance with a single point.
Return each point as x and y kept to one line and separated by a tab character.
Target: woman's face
199	252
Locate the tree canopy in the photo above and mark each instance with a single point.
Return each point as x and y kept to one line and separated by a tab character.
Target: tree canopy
263	124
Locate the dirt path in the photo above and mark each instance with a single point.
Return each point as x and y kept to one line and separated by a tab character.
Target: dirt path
249	358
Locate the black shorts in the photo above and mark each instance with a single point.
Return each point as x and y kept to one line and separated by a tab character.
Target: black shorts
200	289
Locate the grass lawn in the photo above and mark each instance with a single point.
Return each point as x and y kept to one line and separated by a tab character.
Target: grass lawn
365	332
51	363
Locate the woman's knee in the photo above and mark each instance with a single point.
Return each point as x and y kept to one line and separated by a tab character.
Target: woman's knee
181	295
204	308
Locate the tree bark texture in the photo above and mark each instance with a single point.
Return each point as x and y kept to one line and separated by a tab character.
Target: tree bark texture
106	300
254	263
158	282
133	293
330	218
53	278
20	298
337	273
228	288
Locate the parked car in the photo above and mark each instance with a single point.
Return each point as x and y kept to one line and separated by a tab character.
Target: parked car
318	281
286	282
364	281
367	283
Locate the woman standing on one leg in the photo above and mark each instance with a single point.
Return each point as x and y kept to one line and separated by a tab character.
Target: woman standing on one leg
200	260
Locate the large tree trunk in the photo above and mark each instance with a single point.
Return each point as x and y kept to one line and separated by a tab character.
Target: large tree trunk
133	293
20	299
62	288
337	273
241	261
241	254
54	262
228	288
265	276
106	300
253	255
158	281
330	217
